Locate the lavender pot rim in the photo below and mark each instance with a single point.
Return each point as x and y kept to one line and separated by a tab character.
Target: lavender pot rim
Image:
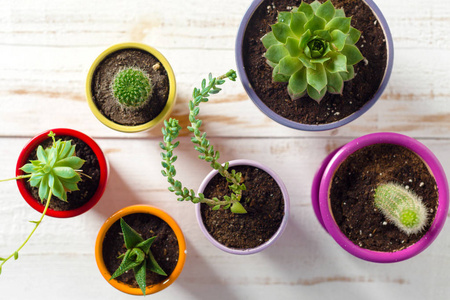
311	127
323	181
278	233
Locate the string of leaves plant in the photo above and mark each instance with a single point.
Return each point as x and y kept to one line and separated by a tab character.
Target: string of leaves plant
55	172
138	256
171	131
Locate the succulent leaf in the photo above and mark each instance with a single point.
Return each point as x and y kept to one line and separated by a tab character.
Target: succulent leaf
319	38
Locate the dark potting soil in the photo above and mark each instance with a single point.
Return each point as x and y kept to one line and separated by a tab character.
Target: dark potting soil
263	201
352	195
332	108
87	186
104	77
164	248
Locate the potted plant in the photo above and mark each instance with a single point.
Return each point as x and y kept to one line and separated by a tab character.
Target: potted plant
66	177
383	197
314	66
242	206
145	239
131	87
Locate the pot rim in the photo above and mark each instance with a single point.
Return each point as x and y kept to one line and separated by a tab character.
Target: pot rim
103	165
170	100
332	162
311	127
277	234
147	209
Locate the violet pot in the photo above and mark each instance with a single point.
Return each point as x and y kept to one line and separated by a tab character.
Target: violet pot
322	183
300	126
278	233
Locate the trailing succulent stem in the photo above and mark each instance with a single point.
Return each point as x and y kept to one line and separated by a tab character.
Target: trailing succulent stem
138	256
402	207
170	132
312	48
55	172
132	87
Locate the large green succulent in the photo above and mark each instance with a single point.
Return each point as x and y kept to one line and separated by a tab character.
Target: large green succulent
312	47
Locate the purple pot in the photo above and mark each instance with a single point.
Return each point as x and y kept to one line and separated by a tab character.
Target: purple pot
309	127
324	176
246	162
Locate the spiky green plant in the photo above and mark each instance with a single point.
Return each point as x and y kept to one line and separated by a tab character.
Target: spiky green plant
401	207
170	132
312	47
138	256
132	87
55	172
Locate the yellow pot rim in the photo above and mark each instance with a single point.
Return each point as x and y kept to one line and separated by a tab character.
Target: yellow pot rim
147	210
172	88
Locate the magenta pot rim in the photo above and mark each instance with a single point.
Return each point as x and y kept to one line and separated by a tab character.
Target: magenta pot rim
311	127
277	234
103	164
323	179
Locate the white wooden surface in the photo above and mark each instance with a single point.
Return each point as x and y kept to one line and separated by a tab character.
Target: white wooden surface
46	48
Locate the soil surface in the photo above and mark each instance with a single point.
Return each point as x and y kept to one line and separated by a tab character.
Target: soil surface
263	201
87	187
356	93
352	195
164	248
104	76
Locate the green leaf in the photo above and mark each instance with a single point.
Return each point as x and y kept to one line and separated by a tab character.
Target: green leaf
145	245
269	40
64	172
281	32
306	9
289	65
16	255
352	53
349	75
35	179
154	266
342	24
306	62
129	262
292	46
323	34
304	39
42	156
338	39
65	149
315	23
340	13
43	188
315	5
277	77
284	17
338	63
28	168
353	36
298	22
140	274
130	236
73	162
335	83
317	78
318	96
319	60
276	52
237	208
326	11
297	84
69	186
57	188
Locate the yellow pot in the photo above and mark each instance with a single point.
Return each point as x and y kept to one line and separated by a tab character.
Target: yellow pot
172	88
136	209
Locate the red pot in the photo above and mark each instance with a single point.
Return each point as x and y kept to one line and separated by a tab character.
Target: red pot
33	144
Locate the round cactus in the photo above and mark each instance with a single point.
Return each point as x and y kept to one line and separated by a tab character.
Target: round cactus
401	207
132	87
312	47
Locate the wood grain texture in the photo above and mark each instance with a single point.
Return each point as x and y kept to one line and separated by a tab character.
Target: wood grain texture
46	49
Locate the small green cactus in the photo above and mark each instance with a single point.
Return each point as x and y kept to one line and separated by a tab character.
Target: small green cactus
312	47
401	207
132	87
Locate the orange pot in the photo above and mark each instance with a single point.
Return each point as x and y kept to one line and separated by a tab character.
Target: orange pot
146	210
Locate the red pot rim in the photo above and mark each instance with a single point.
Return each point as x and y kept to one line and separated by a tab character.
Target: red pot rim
33	143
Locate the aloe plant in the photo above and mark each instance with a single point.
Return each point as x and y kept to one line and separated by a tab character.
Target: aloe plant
401	207
171	131
55	172
132	87
138	256
312	48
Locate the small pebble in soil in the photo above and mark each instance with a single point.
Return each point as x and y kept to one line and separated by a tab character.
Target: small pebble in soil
421	184
384	223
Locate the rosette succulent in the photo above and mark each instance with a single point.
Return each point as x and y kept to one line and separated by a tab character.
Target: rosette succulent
132	87
312	47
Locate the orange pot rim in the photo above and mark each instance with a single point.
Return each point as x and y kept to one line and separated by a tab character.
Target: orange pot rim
133	210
